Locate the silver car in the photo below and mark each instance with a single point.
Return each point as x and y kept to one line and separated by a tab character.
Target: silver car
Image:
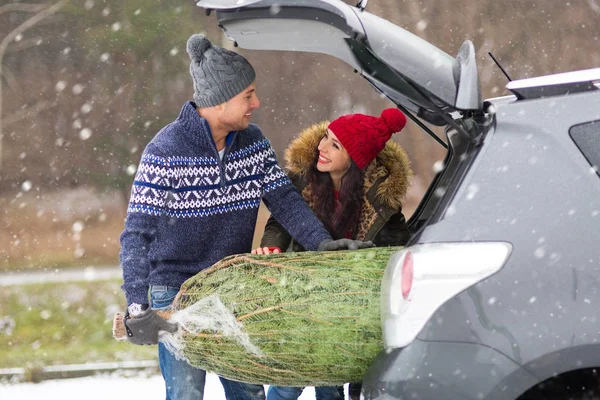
496	295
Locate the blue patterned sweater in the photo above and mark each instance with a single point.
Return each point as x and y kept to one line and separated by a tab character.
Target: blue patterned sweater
188	209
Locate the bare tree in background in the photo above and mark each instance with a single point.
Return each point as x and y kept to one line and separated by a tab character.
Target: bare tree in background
42	11
130	58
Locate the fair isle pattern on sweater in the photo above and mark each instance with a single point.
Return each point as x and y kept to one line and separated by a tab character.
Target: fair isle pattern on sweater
189	209
194	187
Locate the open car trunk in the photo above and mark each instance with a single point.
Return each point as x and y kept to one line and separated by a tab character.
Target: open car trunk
415	75
410	71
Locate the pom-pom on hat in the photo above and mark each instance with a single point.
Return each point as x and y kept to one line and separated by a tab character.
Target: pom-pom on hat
364	136
218	74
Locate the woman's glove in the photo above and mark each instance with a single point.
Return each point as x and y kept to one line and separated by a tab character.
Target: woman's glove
143	329
343	244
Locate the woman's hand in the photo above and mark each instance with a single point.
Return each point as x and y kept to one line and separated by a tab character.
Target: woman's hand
266	250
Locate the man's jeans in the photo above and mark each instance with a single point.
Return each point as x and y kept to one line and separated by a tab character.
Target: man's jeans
292	393
183	381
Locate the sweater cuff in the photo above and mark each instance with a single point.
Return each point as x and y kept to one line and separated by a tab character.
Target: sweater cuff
139	295
316	240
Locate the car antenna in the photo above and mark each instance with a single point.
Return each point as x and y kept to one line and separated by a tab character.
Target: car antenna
362	4
499	66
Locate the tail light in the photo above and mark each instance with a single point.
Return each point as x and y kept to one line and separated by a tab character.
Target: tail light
421	278
407	274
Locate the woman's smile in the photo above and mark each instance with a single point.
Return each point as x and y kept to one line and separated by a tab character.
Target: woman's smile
323	160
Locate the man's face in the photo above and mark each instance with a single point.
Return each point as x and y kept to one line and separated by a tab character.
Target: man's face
236	112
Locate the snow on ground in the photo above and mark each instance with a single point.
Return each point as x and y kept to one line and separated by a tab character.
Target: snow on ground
91	273
110	387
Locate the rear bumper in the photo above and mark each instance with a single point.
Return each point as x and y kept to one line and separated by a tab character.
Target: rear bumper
445	370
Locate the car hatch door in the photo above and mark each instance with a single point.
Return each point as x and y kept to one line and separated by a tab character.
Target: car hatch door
407	69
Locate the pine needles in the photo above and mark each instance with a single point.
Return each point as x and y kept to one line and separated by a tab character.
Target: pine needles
292	319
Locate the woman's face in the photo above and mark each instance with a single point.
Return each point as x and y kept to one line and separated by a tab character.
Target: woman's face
333	158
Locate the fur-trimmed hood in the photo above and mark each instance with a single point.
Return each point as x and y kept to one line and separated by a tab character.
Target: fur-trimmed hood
392	161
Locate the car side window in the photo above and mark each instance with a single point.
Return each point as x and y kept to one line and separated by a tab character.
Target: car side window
587	138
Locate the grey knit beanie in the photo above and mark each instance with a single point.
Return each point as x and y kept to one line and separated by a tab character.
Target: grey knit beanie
218	74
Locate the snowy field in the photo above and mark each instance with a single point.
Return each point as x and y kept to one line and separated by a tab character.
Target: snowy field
110	387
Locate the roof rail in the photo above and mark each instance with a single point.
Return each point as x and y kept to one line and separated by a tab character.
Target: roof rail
557	84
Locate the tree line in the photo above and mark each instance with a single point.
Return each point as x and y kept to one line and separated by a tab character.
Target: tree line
87	83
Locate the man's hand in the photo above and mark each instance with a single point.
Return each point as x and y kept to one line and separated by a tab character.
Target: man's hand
143	329
343	244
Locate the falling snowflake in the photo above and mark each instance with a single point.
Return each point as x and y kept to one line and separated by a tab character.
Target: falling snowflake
275	9
79	252
421	25
60	86
86	108
131	169
77	226
77	88
26	186
85	134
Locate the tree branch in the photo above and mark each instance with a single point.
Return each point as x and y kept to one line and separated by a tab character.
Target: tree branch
11	36
24	44
22	7
29	23
10	79
29	111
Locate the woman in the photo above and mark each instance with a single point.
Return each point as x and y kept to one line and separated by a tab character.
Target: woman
354	180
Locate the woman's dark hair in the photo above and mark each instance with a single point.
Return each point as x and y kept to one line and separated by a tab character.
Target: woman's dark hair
347	216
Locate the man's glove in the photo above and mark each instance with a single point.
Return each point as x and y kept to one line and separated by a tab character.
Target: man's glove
343	244
143	328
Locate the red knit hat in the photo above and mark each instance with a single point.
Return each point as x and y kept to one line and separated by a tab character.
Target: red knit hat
364	136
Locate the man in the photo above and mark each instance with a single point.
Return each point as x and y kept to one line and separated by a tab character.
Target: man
195	200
